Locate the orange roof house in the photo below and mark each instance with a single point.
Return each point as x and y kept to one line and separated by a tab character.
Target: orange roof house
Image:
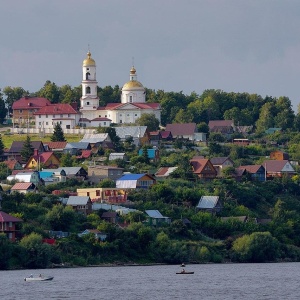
203	168
47	159
24	187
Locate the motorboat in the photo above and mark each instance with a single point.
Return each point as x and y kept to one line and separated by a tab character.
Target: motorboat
38	278
184	272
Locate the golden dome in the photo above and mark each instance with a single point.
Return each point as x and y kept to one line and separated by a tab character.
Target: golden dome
132	84
132	71
89	61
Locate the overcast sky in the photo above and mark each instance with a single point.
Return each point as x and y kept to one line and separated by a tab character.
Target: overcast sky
177	45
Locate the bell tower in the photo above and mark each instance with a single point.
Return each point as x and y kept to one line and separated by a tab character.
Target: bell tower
89	99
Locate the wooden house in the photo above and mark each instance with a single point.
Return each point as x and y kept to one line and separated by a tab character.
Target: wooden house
110	216
45	159
203	168
182	131
8	225
135	181
220	163
155	218
257	172
278	168
279	155
24	187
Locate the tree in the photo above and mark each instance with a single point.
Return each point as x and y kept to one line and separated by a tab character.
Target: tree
1	146
58	134
148	120
12	95
67	160
50	91
27	150
3	109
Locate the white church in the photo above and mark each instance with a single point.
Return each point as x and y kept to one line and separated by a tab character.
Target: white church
133	100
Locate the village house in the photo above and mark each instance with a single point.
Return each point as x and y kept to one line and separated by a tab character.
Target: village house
110	216
221	163
153	154
24	188
55	146
115	155
182	131
156	219
139	134
81	204
210	204
98	173
78	173
26	176
257	172
8	225
101	236
203	168
278	168
13	164
225	127
135	181
45	159
105	195
164	172
279	155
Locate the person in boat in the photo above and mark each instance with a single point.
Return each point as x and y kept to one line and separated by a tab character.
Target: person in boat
183	271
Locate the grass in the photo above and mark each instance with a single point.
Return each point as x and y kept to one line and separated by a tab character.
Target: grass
8	139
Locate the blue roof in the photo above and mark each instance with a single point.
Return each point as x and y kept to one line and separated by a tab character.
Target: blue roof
44	174
151	152
131	177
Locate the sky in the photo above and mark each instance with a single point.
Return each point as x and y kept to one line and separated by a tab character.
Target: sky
175	45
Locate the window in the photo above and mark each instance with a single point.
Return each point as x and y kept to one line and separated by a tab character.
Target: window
105	116
61	116
88	103
40	116
87	90
69	115
20	111
130	98
87	76
46	116
121	121
40	123
104	123
46	123
53	116
88	193
97	192
135	115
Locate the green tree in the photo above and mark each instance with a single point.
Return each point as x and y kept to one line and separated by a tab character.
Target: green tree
67	160
3	109
13	94
27	149
1	146
148	120
256	247
58	134
50	91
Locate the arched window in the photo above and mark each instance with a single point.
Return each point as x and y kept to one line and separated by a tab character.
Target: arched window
87	76
87	90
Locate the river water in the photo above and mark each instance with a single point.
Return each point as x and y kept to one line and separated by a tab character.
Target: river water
212	281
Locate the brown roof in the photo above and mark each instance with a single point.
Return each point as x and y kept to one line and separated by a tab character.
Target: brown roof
23	186
276	165
4	217
198	164
251	168
56	145
220	123
182	129
11	162
219	160
30	103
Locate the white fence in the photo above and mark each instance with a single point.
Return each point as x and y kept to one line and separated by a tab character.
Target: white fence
50	131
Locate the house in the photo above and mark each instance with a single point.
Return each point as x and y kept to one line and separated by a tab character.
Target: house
153	154
24	187
225	127
81	204
13	164
164	172
96	122
17	146
166	135
96	140
24	109
182	131
278	168
62	113
221	163
76	148
26	176
203	168
78	173
139	134
257	172
105	195
8	225
46	159
135	181
114	156
110	216
210	204
279	155
98	173
98	234
53	177
155	137
155	218
56	146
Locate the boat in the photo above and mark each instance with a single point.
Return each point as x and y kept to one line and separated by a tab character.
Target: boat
38	278
184	272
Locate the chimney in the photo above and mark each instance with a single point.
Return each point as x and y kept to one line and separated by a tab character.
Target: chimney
36	152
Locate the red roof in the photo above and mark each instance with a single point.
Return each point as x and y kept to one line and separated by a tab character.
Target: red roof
57	109
220	123
166	134
4	217
85	154
198	164
251	168
30	103
22	186
56	145
182	129
11	162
